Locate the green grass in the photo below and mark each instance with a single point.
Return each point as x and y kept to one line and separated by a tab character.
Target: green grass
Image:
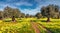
53	26
23	25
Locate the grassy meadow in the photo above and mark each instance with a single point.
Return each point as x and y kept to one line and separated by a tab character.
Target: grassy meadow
24	25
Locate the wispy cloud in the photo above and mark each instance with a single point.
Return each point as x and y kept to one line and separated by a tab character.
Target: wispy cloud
23	3
31	11
27	6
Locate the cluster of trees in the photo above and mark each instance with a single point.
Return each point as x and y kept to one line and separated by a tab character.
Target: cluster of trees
9	12
50	11
13	13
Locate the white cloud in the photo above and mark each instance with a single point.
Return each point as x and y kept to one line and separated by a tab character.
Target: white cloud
31	11
1	9
2	6
23	3
28	11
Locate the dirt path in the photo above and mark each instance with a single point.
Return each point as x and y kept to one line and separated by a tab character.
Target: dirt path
34	26
48	31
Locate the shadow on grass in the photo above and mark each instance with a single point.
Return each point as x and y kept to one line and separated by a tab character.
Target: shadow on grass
43	20
6	20
37	20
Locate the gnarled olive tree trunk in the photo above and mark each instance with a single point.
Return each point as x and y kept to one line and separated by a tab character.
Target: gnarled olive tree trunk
48	19
0	18
13	18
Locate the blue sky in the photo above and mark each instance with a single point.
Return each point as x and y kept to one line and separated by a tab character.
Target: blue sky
27	6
